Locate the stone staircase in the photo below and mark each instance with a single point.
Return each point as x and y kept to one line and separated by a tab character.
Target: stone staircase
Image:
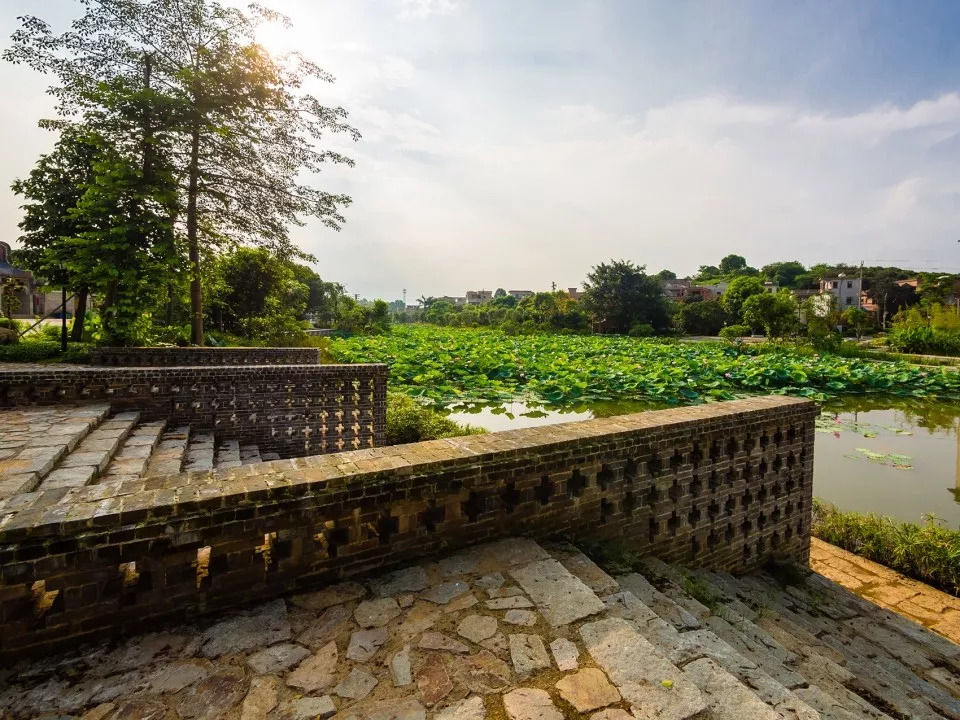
514	630
57	449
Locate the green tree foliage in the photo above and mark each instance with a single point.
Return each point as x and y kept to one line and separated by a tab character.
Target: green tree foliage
737	293
667	275
258	297
784	274
701	318
370	319
732	263
620	295
707	272
500	292
858	319
53	191
245	131
775	313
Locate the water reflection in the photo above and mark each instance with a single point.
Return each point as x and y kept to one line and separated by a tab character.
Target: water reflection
894	456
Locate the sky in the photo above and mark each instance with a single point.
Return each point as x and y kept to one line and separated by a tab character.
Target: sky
518	143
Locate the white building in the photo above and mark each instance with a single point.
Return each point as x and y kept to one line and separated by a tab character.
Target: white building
479	297
845	290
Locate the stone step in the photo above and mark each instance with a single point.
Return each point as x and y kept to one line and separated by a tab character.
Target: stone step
200	452
90	458
268	456
250	454
169	455
130	461
228	455
683	648
842	659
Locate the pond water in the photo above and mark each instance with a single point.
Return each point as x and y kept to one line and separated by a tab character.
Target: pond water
889	456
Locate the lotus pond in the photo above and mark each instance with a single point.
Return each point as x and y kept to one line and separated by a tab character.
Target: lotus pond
887	441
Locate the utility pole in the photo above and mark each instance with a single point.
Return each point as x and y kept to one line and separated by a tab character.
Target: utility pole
404	298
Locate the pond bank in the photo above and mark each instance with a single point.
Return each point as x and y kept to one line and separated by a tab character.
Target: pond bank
912	599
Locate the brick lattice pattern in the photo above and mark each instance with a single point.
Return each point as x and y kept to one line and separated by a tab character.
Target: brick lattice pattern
725	486
184	356
291	410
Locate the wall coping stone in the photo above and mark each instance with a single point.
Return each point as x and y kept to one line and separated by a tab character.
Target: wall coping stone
111	503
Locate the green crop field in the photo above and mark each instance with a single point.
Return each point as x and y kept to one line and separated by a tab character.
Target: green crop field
447	367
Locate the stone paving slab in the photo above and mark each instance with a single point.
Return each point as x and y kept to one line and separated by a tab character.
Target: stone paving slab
887	588
409	645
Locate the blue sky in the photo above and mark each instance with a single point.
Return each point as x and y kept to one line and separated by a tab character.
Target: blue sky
516	143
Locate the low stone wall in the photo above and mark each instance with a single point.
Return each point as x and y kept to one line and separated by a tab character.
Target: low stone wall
183	356
292	410
725	486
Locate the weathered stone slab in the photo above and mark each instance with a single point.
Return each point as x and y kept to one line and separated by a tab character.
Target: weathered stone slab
310	708
444	593
582	567
653	686
528	653
260	699
400	667
561	597
365	643
404	709
329	596
277	658
433	682
530	704
587	690
477	628
318	633
565	654
357	685
261	626
439	641
411	579
509	603
483	673
175	676
317	672
726	696
376	613
469	709
526	618
212	696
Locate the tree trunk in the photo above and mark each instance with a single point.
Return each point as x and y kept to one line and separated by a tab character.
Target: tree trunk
196	292
76	333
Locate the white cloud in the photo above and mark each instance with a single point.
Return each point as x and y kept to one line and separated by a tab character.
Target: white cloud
676	186
424	8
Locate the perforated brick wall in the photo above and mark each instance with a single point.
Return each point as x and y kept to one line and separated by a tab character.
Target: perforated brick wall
288	409
177	356
725	486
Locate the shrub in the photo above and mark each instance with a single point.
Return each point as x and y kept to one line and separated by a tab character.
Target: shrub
733	332
30	351
641	330
701	318
925	340
408	421
927	552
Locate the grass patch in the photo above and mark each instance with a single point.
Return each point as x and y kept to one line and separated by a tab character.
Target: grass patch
408	421
927	552
613	556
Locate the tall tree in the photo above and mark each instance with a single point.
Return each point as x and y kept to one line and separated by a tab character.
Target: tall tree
736	294
246	131
620	295
732	263
53	190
